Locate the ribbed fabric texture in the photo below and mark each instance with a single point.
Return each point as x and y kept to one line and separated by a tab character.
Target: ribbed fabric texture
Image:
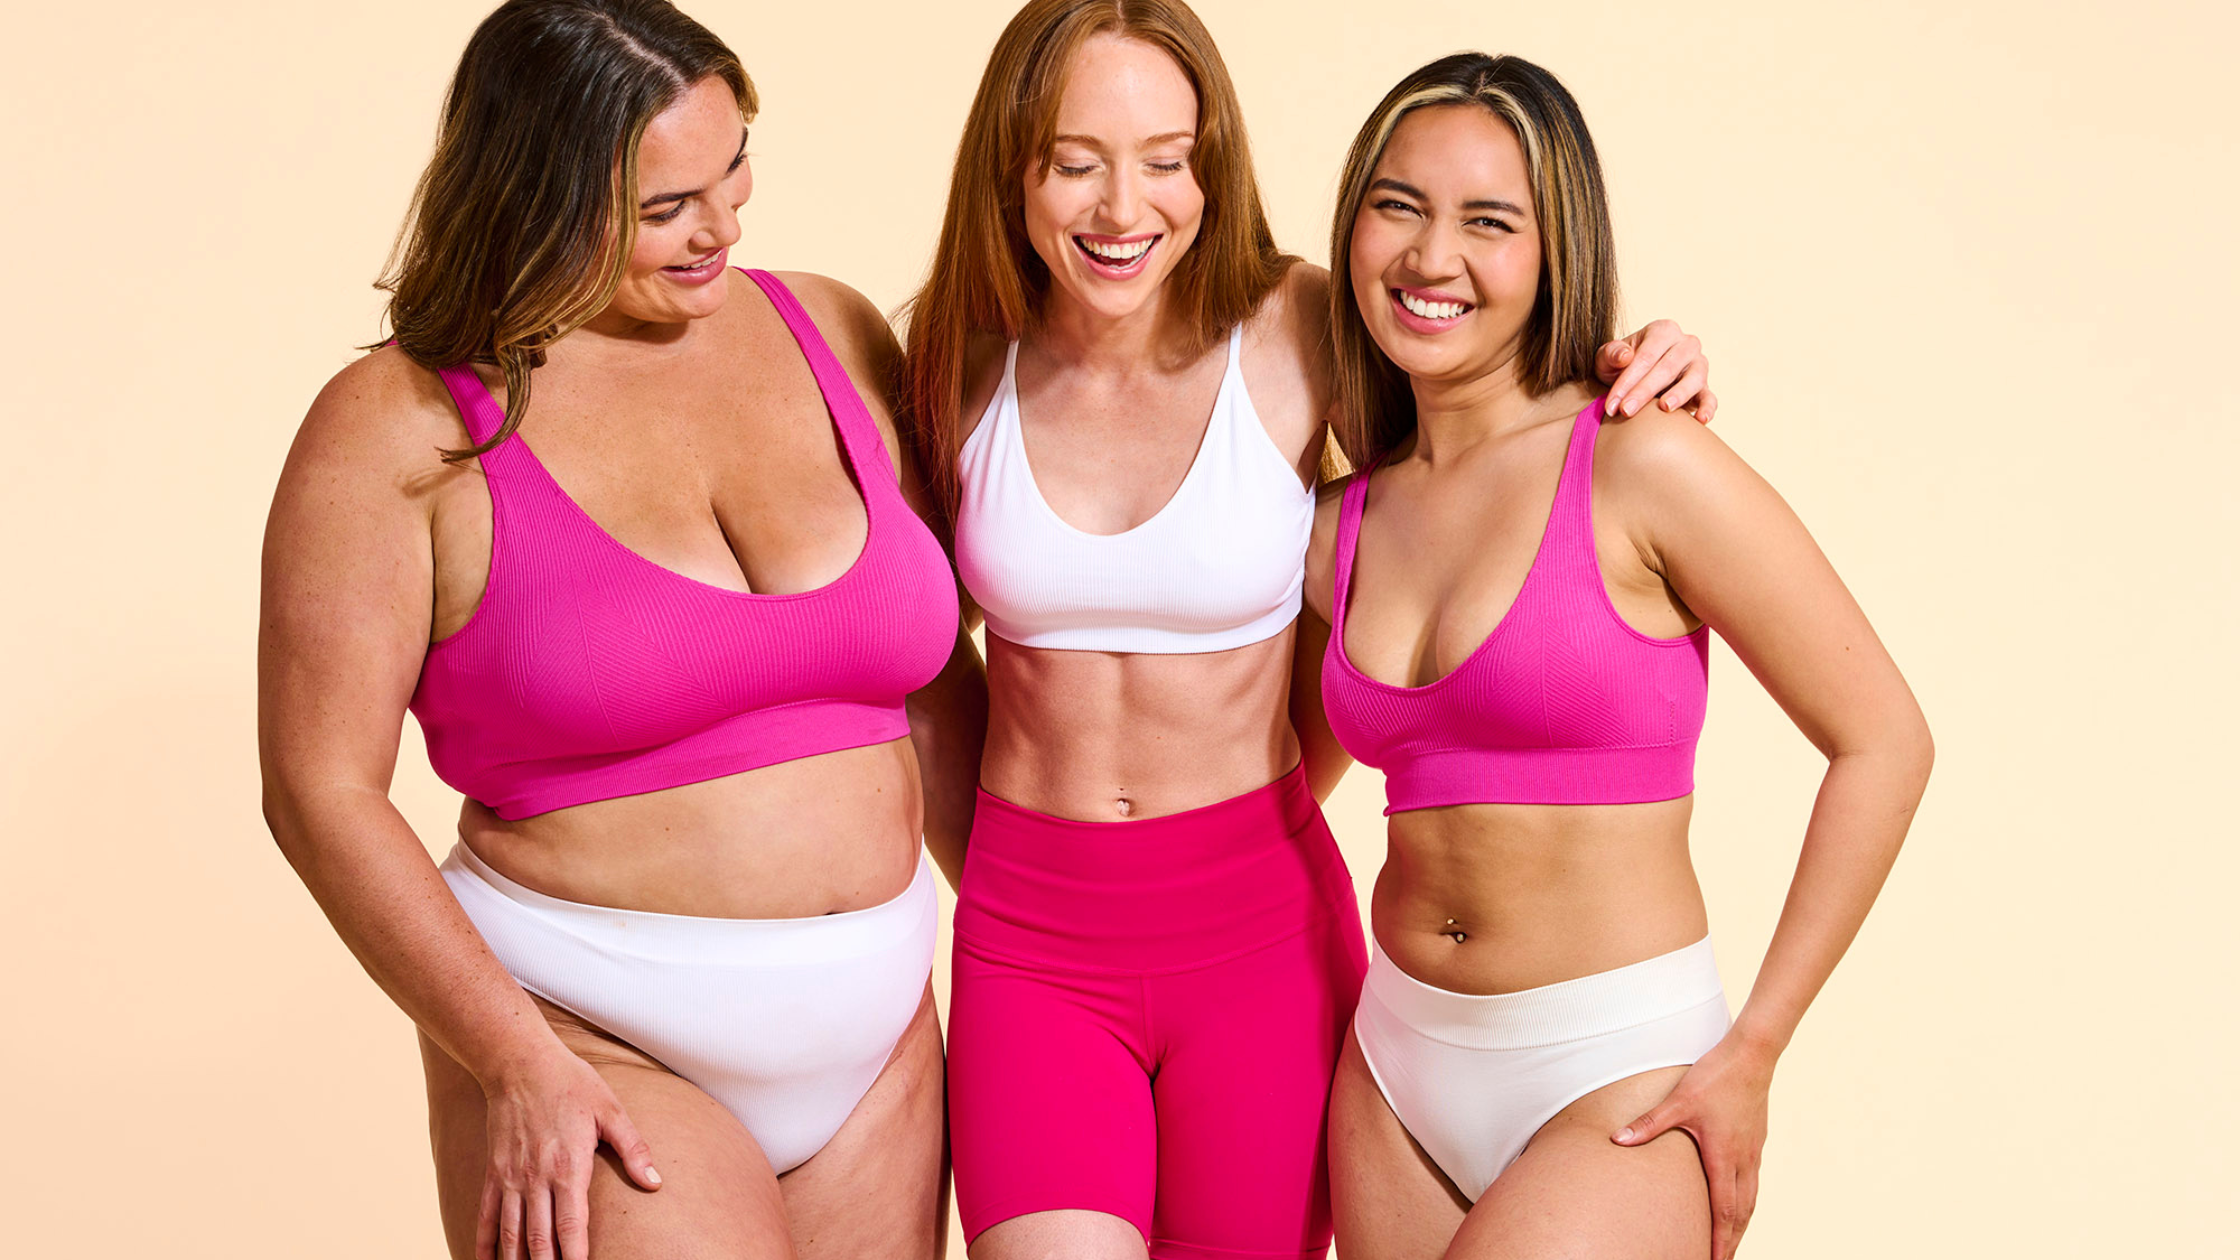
589	672
1221	565
1562	704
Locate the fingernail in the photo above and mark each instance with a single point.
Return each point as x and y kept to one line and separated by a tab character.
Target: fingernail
653	1174
1632	407
1625	1134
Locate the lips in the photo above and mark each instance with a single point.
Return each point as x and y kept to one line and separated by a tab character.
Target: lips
1116	257
699	272
1428	311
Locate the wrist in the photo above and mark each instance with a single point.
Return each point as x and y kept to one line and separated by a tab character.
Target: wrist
1756	1042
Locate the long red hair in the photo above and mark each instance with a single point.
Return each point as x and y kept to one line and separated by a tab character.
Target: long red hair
986	277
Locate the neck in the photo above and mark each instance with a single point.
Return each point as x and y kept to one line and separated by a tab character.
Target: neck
1456	417
1087	340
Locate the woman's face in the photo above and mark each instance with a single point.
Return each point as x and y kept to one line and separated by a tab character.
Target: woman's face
1446	248
692	179
1113	214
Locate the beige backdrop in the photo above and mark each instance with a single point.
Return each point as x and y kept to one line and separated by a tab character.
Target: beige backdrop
1964	278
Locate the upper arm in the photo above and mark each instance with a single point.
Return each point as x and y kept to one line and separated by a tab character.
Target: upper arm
865	344
1287	366
348	580
1742	561
1322	549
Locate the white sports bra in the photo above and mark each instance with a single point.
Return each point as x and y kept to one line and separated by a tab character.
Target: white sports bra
1220	566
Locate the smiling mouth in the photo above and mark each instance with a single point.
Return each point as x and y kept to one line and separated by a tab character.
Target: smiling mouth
1438	312
1116	258
697	266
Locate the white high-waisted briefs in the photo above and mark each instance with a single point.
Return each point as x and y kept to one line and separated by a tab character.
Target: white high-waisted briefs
1473	1077
786	1022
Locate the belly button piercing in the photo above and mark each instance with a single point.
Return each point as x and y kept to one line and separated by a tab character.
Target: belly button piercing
1459	936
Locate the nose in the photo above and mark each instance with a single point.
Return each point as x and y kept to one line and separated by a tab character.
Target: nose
1123	198
1436	252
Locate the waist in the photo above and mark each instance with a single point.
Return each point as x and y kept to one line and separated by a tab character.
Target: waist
698	940
813	836
1152	894
1536	893
1075	733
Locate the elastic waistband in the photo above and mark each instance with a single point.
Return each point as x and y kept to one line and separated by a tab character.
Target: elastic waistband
1571	1010
691	940
1150	894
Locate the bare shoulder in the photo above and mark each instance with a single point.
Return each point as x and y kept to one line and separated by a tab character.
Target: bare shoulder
983	374
852	325
384	417
1661	451
1293	321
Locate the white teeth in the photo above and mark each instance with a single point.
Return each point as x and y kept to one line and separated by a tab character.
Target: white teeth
1116	253
1432	310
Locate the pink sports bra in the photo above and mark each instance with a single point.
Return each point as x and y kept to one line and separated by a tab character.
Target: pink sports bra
590	672
1562	704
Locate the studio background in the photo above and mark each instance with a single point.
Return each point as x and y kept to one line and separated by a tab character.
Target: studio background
1965	274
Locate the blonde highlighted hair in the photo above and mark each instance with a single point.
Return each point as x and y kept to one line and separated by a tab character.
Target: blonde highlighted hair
1576	309
523	222
986	277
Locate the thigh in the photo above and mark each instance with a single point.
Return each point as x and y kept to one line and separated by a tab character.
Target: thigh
880	1187
1246	1051
1049	1096
1062	1235
718	1197
1388	1200
1575	1193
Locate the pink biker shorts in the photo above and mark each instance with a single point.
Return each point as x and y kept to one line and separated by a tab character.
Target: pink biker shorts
1144	1018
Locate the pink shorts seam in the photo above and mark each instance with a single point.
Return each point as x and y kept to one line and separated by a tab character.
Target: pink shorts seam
988	1218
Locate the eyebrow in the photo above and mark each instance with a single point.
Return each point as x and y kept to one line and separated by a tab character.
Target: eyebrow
1094	143
650	202
1417	193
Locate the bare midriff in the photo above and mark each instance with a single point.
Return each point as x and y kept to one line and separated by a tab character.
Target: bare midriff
1498	898
818	835
1112	736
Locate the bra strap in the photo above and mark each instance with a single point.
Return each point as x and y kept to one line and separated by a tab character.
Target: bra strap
1350	507
849	414
477	408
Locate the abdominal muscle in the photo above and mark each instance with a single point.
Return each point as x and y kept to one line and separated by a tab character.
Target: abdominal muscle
1113	736
1537	893
818	835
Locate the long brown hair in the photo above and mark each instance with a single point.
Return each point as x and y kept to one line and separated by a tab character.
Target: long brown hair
1576	308
986	277
523	222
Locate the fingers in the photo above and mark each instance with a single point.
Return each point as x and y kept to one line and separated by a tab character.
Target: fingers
510	1208
1726	1214
540	1221
637	1157
1611	359
1652	1123
1665	356
1684	390
571	1208
1746	1201
486	1220
1707	405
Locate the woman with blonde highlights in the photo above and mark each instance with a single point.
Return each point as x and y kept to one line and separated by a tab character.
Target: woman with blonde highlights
1120	385
1510	602
691	658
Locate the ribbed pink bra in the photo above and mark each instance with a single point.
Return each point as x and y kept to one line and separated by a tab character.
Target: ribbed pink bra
590	672
1562	704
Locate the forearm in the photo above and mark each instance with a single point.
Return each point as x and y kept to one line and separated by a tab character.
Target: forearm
1859	820
949	729
372	878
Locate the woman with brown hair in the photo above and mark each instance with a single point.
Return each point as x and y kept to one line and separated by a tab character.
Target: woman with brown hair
1510	603
1121	387
692	659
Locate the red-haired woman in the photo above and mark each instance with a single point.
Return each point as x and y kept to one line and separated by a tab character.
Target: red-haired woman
1122	387
661	629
